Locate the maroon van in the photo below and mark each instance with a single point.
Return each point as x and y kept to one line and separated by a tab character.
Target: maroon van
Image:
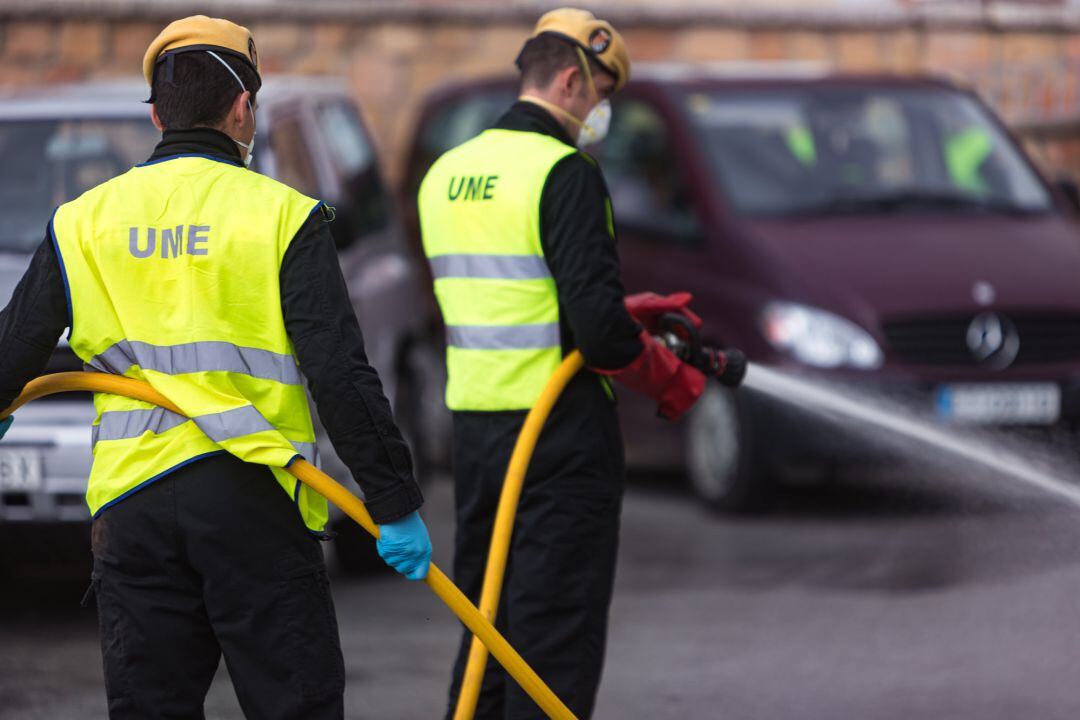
876	230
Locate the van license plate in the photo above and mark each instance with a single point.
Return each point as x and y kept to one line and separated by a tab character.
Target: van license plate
20	470
999	403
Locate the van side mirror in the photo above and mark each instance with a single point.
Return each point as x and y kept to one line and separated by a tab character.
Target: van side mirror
1068	189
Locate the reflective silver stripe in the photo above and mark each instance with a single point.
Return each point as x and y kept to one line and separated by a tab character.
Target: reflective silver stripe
310	451
503	337
232	424
198	357
502	267
127	424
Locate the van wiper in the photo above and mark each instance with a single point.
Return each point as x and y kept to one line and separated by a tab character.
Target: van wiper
913	200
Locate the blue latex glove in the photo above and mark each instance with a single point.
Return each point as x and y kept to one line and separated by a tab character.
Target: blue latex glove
5	424
405	546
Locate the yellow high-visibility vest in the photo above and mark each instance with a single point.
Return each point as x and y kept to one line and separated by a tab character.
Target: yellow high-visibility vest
480	219
172	273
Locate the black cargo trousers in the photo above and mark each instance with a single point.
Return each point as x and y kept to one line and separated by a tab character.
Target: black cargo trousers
561	570
214	559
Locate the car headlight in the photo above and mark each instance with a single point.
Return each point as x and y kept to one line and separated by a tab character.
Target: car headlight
819	338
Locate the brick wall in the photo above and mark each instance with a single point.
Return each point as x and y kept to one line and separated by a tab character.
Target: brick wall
390	59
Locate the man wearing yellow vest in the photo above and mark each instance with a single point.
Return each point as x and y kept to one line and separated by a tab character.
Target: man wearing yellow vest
221	288
518	228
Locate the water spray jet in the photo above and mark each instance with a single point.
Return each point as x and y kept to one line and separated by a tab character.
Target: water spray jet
823	399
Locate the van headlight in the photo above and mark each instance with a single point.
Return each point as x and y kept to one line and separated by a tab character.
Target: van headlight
819	338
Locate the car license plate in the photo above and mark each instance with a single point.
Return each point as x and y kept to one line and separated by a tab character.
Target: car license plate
20	470
999	403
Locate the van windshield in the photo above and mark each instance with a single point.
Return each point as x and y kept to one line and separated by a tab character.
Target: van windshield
849	150
44	163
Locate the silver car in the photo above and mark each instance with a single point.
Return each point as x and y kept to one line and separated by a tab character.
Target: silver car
59	141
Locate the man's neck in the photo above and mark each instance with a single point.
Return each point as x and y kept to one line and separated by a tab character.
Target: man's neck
561	115
198	141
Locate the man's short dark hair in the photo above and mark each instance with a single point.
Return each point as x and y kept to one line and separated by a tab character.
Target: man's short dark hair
201	91
545	56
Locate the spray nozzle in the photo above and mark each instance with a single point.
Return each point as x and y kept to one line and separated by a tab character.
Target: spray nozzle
681	336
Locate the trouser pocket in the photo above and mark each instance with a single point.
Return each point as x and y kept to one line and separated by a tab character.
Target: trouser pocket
112	628
310	629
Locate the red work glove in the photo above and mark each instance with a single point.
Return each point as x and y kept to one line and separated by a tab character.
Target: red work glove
658	373
648	307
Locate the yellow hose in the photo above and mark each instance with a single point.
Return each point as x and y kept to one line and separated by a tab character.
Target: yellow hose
323	484
504	527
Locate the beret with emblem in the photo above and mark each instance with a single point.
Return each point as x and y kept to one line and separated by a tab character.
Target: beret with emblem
596	37
200	32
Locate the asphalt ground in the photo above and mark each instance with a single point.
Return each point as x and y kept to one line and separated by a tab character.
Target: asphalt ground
880	596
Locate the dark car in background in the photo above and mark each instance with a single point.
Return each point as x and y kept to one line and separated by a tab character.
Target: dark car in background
883	232
57	142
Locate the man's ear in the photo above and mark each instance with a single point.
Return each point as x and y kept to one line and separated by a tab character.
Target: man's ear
567	79
239	108
155	119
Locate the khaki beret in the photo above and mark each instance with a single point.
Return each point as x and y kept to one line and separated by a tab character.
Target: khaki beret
200	32
596	37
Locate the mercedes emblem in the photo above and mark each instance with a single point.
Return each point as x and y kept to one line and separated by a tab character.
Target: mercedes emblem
993	340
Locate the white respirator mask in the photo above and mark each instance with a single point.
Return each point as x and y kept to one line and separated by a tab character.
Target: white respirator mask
596	124
249	146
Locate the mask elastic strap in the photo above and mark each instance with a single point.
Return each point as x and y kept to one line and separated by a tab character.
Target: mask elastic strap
588	72
552	108
249	146
232	72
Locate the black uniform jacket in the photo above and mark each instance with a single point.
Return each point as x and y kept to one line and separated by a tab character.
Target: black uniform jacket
318	318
